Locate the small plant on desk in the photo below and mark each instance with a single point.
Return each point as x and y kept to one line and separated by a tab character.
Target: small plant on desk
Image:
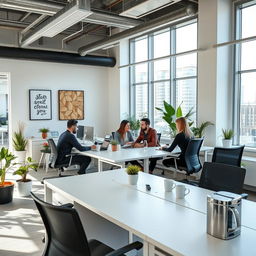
114	145
132	171
44	132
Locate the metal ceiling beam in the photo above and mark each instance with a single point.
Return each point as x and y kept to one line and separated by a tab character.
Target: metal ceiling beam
147	27
50	9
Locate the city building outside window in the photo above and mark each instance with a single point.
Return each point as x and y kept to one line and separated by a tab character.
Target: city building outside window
171	79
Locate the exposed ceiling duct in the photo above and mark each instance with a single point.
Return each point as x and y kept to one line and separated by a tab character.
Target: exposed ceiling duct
59	57
71	14
50	9
147	27
141	8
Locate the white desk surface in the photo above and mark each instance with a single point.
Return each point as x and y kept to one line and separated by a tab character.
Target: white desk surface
176	229
129	154
3	128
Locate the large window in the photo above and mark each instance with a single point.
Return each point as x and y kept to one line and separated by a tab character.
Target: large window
173	79
245	76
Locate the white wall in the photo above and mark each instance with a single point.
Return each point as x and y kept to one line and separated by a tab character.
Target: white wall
27	75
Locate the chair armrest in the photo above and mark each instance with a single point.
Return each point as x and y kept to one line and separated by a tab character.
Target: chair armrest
68	205
71	154
133	246
244	196
174	156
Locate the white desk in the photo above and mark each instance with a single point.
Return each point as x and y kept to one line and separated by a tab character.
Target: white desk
115	208
3	129
124	155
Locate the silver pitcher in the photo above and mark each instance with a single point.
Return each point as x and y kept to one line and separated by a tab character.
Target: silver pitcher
224	215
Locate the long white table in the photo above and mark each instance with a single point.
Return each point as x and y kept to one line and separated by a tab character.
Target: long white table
111	211
119	157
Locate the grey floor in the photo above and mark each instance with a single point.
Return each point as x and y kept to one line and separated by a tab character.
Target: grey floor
21	228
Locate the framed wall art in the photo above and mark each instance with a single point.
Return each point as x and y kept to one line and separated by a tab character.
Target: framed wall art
71	105
40	104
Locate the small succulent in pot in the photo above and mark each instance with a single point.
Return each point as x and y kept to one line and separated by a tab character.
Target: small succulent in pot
44	132
132	171
114	145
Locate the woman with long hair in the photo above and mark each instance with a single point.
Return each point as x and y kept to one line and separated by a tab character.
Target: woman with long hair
181	140
123	134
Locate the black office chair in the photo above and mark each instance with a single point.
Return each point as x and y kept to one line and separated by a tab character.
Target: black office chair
230	156
66	236
159	137
222	177
60	167
192	159
113	134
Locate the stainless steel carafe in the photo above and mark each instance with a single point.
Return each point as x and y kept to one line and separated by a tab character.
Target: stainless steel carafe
224	214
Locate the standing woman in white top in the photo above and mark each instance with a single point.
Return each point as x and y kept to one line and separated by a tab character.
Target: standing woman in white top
123	134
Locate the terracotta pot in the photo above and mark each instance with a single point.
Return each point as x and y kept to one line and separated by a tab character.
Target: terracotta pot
6	192
44	135
114	147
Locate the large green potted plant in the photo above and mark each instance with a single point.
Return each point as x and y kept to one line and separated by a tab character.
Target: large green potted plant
134	125
199	131
20	143
170	114
6	187
24	184
228	134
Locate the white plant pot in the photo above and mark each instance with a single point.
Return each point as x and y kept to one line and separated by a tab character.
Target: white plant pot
21	156
227	143
24	188
133	179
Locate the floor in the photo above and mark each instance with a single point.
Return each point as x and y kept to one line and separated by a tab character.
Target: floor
21	228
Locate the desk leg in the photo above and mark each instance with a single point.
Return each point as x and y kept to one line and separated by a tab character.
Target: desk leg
146	165
145	248
205	156
47	194
122	165
47	158
100	166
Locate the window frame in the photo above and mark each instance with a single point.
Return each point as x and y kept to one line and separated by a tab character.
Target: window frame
172	79
237	69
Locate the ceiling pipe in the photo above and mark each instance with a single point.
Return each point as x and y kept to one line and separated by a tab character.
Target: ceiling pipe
59	57
50	9
147	27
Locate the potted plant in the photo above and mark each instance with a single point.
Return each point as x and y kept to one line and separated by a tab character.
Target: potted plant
132	171
114	145
228	134
6	188
20	143
199	131
170	114
24	184
44	132
134	125
46	148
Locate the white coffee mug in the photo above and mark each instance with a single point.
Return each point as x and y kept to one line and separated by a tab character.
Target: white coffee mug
181	191
98	147
169	185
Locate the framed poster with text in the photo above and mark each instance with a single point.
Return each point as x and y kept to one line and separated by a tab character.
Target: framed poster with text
40	104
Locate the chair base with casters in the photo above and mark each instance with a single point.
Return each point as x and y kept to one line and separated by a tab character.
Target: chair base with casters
66	236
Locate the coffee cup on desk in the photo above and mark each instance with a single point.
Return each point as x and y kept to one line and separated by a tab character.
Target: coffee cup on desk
169	185
98	147
181	191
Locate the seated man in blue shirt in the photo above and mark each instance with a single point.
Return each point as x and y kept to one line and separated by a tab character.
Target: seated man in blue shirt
66	142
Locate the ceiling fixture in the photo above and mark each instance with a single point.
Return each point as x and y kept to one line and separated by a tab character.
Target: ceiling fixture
71	14
145	7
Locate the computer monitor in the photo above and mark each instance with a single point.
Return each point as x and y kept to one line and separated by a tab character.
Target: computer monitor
85	133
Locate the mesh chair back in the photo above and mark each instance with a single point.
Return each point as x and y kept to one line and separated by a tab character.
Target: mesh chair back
231	156
54	152
64	230
192	159
159	137
222	177
113	134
